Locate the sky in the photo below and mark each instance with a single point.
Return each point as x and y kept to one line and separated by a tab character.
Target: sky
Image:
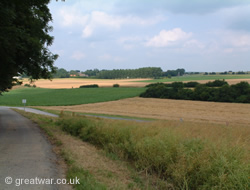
197	35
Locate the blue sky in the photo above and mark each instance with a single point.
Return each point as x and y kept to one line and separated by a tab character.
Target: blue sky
198	35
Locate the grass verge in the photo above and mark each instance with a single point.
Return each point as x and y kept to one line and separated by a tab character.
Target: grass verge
182	161
95	168
180	155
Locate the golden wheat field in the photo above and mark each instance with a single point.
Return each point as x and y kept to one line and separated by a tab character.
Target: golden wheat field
209	112
75	83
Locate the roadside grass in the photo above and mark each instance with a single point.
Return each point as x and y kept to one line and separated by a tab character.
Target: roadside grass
197	78
59	97
171	154
95	168
209	157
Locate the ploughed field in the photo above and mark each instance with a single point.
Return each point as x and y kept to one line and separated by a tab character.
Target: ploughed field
209	112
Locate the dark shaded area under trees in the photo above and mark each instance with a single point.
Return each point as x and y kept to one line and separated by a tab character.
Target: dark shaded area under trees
217	91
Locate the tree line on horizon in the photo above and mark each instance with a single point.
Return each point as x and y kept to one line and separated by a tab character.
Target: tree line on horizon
145	72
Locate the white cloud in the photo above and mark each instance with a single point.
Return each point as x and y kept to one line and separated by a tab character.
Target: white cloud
77	55
168	38
239	40
87	31
88	23
98	19
71	16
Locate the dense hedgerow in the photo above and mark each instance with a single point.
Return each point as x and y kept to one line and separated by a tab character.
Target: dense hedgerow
184	163
89	86
217	91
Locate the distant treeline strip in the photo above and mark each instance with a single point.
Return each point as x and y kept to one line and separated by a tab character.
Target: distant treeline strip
145	72
216	91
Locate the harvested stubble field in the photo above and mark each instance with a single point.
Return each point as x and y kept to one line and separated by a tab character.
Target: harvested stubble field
75	83
209	112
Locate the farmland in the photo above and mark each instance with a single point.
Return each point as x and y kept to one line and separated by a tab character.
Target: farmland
199	145
165	109
232	79
57	97
76	82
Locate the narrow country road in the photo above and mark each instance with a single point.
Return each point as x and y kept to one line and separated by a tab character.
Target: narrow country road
25	154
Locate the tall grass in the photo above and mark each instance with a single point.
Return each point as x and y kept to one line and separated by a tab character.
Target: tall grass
183	161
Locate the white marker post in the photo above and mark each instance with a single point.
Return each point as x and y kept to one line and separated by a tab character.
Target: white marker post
24	102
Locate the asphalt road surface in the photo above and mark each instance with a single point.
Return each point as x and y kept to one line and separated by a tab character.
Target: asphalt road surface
26	156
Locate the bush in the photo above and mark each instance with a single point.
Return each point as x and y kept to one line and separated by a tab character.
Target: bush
191	84
217	83
116	85
155	84
27	85
222	93
89	86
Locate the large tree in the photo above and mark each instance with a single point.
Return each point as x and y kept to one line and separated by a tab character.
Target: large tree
24	40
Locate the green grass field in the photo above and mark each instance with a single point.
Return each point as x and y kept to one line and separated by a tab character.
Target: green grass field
199	77
59	97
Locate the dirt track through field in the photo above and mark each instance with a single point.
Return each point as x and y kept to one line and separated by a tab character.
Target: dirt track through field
212	112
75	83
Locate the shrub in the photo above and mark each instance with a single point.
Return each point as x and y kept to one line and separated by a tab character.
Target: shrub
191	84
216	83
235	93
116	85
89	86
27	85
154	84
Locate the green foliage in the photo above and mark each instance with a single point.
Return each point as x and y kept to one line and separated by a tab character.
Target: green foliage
86	180
172	73
204	92
147	72
76	96
92	73
216	83
185	163
61	73
24	40
191	84
89	86
27	85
